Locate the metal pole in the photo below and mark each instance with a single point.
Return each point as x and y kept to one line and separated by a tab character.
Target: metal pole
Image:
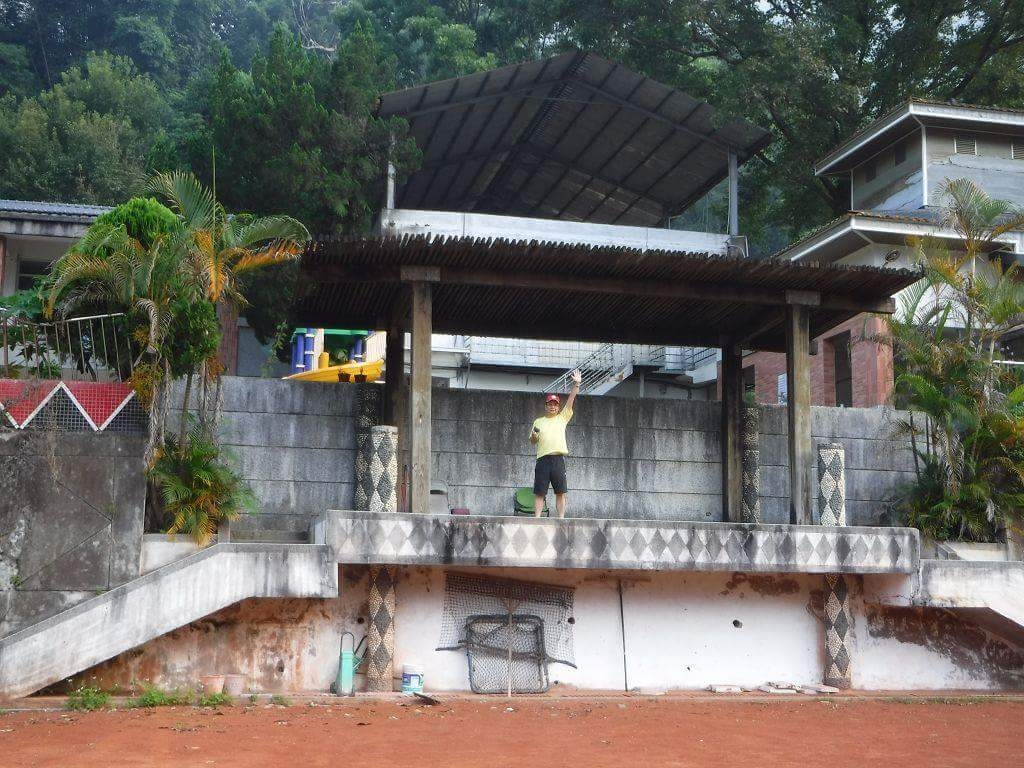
103	335
81	347
734	216
6	358
71	352
56	338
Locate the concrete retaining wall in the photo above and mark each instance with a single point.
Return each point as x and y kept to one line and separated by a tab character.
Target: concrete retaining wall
679	630
72	508
634	459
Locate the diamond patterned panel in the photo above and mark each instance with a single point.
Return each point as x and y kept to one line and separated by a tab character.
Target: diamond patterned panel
368	537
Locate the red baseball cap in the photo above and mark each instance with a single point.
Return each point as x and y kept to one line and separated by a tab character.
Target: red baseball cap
552	399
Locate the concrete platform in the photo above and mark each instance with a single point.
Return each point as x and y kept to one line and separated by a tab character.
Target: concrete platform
369	537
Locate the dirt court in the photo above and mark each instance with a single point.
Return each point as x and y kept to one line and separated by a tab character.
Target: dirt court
535	732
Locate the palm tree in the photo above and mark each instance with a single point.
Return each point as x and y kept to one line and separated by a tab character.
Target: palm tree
110	267
218	248
970	472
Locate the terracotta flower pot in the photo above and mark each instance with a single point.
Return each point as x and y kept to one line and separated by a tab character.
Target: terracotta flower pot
212	684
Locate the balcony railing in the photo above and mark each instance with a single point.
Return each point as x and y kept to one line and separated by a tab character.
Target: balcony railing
93	348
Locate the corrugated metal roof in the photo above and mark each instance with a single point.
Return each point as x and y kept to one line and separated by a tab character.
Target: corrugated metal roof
562	291
42	208
572	137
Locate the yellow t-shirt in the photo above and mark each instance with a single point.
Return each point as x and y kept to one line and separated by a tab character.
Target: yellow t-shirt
552	434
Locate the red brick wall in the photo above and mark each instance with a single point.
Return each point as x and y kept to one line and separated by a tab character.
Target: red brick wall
871	364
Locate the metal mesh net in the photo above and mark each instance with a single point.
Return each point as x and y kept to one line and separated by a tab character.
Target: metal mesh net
511	630
506	654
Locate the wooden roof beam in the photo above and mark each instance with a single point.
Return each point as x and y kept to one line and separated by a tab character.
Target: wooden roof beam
612	286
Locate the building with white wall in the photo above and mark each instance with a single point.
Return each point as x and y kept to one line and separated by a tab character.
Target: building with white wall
896	168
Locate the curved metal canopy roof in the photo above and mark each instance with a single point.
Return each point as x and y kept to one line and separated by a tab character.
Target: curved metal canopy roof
572	137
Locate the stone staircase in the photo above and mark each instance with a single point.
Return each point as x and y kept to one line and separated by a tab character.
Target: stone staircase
159	602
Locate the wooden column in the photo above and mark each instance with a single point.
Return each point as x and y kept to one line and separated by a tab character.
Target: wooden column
798	407
419	409
394	374
396	399
732	439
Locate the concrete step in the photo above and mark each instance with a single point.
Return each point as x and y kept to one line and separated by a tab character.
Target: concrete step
159	602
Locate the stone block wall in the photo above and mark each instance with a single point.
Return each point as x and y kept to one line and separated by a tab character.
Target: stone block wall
294	442
72	509
633	459
877	465
640	459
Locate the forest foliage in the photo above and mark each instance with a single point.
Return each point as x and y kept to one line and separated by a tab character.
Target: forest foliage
273	100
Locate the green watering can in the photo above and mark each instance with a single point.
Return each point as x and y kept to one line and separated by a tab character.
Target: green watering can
344	683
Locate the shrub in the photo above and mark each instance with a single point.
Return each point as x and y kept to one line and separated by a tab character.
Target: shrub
198	487
144	219
216	700
87	698
152	696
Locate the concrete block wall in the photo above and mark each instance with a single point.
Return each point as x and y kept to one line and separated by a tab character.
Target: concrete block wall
635	459
640	459
877	465
295	445
72	509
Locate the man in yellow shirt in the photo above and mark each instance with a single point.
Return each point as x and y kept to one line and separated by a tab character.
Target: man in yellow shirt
549	436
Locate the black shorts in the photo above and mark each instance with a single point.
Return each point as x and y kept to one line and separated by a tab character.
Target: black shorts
550	469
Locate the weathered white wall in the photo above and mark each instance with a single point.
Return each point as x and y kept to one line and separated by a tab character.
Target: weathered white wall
993	168
894	186
679	633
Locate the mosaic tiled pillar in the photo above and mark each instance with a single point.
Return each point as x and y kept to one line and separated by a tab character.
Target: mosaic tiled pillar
838	613
380	478
368	401
831	484
376	489
380	635
750	504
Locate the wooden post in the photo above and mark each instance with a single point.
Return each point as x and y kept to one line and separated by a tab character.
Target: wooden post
798	407
394	374
420	397
396	399
732	420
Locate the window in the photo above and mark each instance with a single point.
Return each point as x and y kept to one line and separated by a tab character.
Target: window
870	170
781	389
748	380
965	144
843	370
1017	150
899	154
28	271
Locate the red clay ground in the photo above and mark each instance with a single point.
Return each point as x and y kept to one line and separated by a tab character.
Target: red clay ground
539	732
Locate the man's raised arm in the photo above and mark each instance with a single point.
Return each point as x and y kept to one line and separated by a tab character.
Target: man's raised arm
577	379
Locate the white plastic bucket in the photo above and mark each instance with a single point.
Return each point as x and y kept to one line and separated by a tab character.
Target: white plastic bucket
412	678
234	684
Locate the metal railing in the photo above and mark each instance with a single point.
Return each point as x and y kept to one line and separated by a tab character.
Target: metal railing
608	365
679	359
488	350
94	348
